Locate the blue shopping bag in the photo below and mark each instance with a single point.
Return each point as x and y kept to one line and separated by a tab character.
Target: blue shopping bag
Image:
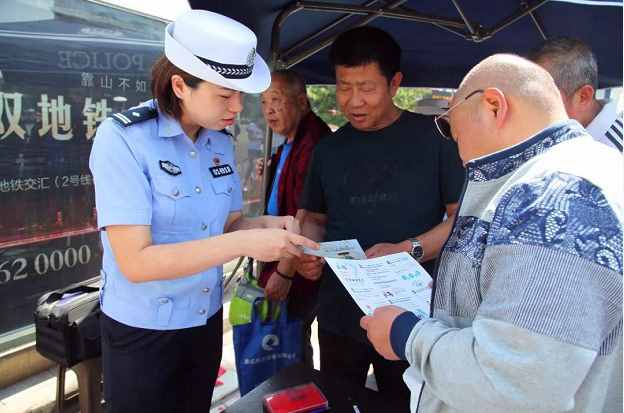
262	348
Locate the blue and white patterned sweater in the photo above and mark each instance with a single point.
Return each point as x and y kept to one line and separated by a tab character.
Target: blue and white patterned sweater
527	312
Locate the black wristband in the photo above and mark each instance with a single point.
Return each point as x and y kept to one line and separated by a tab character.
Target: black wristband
284	276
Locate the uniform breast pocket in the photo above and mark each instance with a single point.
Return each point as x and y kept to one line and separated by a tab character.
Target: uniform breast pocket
172	205
223	186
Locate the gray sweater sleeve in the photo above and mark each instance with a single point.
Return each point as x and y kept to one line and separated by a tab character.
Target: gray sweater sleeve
495	365
540	325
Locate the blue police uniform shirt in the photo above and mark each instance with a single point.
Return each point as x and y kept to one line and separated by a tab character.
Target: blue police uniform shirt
272	207
151	173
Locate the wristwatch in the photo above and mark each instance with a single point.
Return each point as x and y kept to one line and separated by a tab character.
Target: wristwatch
417	249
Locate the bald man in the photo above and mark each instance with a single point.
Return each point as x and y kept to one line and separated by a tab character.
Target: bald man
527	308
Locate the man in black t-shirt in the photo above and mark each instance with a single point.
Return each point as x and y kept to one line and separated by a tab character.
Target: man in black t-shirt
385	179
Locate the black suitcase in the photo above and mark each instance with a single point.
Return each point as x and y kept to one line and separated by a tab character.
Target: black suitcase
67	324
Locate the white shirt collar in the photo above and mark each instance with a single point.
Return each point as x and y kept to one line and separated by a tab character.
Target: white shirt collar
603	120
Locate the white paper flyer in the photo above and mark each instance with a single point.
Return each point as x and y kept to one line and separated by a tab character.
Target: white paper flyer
349	249
396	279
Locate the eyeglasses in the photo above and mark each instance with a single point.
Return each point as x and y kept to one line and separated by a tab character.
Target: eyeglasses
442	121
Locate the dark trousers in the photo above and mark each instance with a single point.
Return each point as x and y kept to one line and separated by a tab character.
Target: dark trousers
348	360
305	309
160	371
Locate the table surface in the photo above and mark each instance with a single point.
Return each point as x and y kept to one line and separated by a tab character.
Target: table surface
341	396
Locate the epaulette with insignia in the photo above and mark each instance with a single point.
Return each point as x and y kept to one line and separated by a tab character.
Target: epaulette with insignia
136	115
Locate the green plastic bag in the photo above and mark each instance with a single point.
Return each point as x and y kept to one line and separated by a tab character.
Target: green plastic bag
246	293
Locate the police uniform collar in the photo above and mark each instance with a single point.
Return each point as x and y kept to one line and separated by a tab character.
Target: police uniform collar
168	126
218	140
204	137
134	115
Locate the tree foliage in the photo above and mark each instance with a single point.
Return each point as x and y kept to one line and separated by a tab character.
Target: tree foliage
323	101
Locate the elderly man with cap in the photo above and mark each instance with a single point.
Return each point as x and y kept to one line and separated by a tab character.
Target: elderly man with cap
168	200
573	66
527	303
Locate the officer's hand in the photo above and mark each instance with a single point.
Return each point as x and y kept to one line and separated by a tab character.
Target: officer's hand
378	328
310	266
277	288
259	167
271	244
385	248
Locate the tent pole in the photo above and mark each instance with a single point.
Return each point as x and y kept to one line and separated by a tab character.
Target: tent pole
469	26
403	14
324	30
372	14
327	42
463	35
274	63
514	18
536	22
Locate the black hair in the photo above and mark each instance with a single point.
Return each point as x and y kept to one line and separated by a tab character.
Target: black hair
363	45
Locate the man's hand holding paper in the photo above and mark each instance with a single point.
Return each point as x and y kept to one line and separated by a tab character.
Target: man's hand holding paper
386	248
310	266
378	329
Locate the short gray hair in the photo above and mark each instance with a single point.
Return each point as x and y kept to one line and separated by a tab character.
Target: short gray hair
294	81
572	64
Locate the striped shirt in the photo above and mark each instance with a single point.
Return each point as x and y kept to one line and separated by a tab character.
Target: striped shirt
607	127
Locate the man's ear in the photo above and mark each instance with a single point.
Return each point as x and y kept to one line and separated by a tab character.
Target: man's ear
395	83
178	86
495	105
584	95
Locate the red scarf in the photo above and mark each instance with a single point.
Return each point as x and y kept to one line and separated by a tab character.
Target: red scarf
292	179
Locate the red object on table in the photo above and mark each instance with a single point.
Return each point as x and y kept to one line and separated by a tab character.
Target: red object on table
222	371
306	398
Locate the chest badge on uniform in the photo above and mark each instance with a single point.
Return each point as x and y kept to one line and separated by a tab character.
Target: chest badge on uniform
216	161
170	168
222	170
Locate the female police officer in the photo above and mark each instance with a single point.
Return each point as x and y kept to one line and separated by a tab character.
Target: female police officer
168	200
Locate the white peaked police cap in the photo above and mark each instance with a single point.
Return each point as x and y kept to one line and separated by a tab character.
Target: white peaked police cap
217	49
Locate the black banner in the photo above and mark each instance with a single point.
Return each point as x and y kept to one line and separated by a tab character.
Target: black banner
61	75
